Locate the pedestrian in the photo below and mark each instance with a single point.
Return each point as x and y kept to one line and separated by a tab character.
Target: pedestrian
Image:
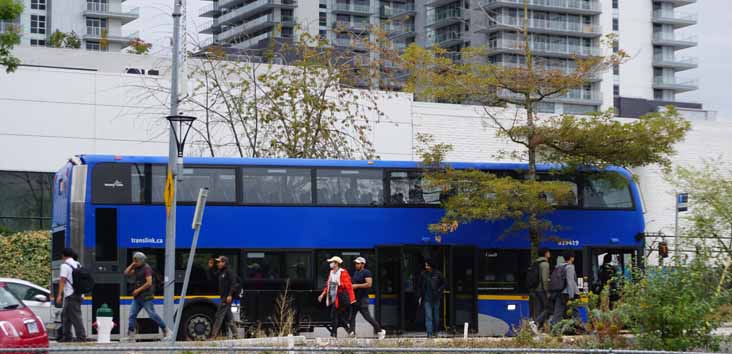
609	278
569	289
143	292
212	276
229	289
539	271
363	280
71	309
431	285
339	296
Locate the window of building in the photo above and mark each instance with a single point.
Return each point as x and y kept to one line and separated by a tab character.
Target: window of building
615	4
323	34
616	90
38	24
606	191
323	19
616	24
221	184
93	46
97	5
94	26
409	187
287	15
658	94
26	200
287	32
38	42
616	69
350	187
38	4
275	185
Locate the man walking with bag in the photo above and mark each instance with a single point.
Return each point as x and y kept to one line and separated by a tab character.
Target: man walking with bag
71	299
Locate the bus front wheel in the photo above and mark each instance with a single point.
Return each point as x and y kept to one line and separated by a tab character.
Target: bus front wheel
198	323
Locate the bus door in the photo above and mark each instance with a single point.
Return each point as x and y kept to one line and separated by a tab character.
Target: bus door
623	259
462	277
388	288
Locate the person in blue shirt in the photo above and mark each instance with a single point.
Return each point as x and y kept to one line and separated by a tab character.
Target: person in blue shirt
430	288
363	280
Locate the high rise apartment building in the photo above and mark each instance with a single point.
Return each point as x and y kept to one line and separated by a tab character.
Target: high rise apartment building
560	30
91	20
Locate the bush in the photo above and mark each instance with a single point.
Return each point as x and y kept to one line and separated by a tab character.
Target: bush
27	256
672	308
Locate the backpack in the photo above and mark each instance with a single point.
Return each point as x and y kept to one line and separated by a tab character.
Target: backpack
558	279
83	283
533	275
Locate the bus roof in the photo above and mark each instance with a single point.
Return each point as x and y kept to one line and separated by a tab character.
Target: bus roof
235	161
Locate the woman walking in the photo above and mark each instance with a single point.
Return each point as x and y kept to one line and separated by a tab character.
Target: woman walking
338	294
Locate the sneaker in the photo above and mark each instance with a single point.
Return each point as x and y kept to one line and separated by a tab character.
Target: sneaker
352	334
131	336
382	334
167	335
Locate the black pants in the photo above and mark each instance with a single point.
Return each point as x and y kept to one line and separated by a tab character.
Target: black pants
224	319
543	308
71	318
339	318
362	306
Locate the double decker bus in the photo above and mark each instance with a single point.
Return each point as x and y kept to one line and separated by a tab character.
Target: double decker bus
278	220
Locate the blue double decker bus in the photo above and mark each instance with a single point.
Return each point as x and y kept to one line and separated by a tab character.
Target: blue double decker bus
278	220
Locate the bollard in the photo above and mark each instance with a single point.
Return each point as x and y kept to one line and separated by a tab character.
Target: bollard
290	343
104	324
465	331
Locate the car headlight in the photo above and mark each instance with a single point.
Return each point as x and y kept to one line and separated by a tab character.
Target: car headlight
8	330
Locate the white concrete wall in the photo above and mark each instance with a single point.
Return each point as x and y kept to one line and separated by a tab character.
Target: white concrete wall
635	35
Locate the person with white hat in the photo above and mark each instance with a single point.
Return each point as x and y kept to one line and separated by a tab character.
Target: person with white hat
363	280
338	294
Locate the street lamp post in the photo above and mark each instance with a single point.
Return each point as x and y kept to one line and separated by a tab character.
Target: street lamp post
179	127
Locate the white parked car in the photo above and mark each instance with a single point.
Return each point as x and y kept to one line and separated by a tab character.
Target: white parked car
36	297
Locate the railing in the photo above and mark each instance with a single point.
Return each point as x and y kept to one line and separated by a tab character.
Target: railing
351	25
670	36
674	81
352	7
349	42
674	15
394	11
234	30
96	31
441	15
104	7
676	60
251	7
535	23
207	9
546	47
254	40
561	4
400	27
447	36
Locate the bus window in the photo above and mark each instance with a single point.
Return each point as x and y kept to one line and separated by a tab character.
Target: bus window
278	266
503	271
408	187
570	200
203	281
277	185
155	258
350	187
606	191
348	256
221	184
114	183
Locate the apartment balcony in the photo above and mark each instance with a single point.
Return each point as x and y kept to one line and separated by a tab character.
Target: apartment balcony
254	41
674	84
95	34
674	62
576	29
580	97
577	7
548	49
439	3
351	9
673	40
253	8
397	30
246	28
447	39
563	69
10	26
351	26
674	18
101	10
352	43
676	3
442	18
212	10
401	10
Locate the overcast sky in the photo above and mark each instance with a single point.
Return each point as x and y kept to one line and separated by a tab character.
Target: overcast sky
714	50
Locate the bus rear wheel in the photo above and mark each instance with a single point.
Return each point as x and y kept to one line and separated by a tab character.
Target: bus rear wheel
198	323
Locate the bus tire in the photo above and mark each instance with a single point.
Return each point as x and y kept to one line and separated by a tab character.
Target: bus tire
197	324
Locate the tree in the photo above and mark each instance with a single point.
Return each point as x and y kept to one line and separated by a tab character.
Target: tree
64	40
10	10
138	46
593	141
104	41
72	40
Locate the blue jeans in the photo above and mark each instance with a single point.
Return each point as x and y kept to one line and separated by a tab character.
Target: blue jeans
135	309
431	316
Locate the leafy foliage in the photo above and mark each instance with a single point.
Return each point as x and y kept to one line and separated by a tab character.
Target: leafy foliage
65	40
9	11
27	256
138	46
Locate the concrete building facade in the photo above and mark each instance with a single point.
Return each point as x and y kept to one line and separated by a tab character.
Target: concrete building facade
91	20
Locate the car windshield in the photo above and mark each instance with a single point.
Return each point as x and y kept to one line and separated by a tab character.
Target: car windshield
7	300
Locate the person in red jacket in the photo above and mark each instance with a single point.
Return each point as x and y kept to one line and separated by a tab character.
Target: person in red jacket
338	294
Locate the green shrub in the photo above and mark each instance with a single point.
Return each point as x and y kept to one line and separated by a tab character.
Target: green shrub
27	256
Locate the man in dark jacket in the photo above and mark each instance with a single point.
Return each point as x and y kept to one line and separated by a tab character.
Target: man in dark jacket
229	289
212	276
431	285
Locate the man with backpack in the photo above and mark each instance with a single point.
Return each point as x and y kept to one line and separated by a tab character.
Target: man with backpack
143	295
563	285
538	283
69	294
229	289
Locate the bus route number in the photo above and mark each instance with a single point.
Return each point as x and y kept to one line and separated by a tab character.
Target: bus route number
569	243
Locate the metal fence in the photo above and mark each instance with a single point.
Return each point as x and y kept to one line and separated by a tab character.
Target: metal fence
192	349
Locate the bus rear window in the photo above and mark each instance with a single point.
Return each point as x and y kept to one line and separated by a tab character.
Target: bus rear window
606	191
114	183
